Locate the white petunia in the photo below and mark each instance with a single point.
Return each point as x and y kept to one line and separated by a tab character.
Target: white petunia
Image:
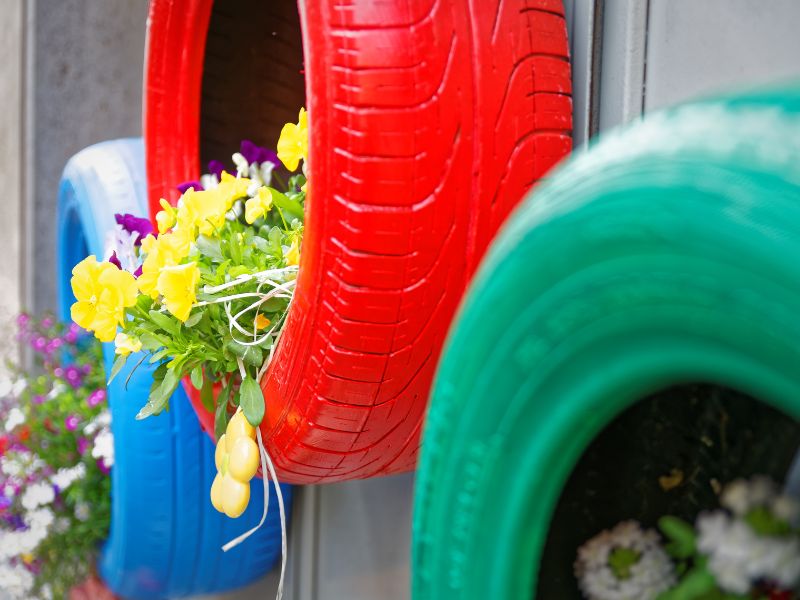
66	477
17	581
651	574
38	494
82	512
15	418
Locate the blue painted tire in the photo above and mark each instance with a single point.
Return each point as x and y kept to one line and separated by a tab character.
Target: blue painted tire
165	539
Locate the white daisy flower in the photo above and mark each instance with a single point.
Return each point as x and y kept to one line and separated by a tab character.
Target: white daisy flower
624	563
38	494
15	418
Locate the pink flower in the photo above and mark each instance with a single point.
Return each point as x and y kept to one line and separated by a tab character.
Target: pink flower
83	445
71	423
96	398
101	464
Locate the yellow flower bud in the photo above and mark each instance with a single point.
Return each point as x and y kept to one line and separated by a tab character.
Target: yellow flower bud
244	459
216	493
238	427
235	496
220	452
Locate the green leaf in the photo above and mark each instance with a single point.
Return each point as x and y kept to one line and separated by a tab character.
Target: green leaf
207	395
160	396
209	247
221	415
251	399
293	207
680	534
150	342
119	362
165	322
197	377
253	356
194	318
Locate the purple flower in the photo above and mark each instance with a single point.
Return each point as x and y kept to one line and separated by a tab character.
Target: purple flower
54	345
96	398
138	272
216	168
73	376
38	399
71	423
47	322
4	502
23	320
256	154
72	333
86	369
133	224
183	187
58	372
101	464
39	343
83	445
114	260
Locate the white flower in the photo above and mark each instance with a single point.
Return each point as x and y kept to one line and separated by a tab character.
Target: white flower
66	477
209	181
101	421
10	468
650	574
58	389
15	418
123	244
742	496
19	386
104	447
17	582
6	385
82	511
242	166
38	495
39	520
738	557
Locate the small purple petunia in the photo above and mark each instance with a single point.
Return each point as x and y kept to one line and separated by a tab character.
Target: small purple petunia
184	187
4	502
96	398
101	464
257	154
73	376
58	372
23	319
86	369
39	343
83	445
54	345
114	260
133	224
215	167
71	423
138	272
47	322
72	333
38	399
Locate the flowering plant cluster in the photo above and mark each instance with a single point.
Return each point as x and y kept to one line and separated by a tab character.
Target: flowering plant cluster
56	451
748	549
206	295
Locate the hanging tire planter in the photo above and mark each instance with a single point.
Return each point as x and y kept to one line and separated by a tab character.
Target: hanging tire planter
675	250
165	539
429	122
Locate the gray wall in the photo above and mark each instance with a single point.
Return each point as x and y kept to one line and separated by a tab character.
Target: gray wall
84	60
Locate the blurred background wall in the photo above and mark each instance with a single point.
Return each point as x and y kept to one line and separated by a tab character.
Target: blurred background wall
71	75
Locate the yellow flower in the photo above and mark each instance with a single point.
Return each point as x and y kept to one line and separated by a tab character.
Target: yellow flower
103	292
258	206
232	188
178	285
124	344
293	143
204	210
166	218
292	255
167	250
237	459
261	321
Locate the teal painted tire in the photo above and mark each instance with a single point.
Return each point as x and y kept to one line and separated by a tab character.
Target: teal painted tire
668	253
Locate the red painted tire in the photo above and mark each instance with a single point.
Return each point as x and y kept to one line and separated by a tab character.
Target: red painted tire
430	120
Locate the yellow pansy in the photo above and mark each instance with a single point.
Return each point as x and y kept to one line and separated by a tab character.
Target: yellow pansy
166	250
203	210
262	322
293	143
124	344
166	219
237	459
258	206
292	255
232	188
102	292
178	286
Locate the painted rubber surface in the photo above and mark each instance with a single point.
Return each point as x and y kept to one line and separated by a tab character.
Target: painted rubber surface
430	120
165	538
673	256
